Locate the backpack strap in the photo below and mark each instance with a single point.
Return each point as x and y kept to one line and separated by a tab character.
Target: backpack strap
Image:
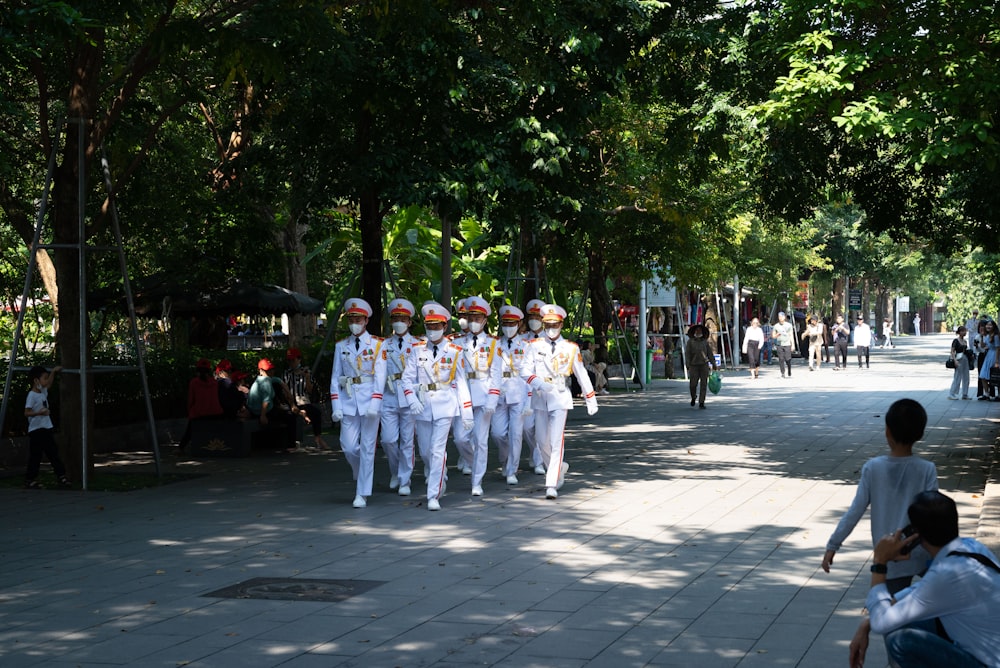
984	560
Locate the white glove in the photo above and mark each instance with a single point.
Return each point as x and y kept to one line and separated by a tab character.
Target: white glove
337	416
467	425
488	412
372	412
591	409
545	388
416	407
526	410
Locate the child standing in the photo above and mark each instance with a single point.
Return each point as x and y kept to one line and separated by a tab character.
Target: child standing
888	484
40	438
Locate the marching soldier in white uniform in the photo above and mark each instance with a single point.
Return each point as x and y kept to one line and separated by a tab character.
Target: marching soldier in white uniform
554	359
356	395
533	312
436	390
506	427
482	369
397	420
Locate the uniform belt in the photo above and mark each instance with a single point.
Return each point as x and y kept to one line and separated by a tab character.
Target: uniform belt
560	379
432	387
508	374
357	380
395	376
472	375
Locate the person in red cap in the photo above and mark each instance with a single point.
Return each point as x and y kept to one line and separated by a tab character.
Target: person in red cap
435	388
483	372
231	397
300	386
533	328
553	360
356	395
397	418
202	399
506	428
264	400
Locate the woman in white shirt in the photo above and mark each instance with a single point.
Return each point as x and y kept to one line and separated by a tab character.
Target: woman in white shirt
753	341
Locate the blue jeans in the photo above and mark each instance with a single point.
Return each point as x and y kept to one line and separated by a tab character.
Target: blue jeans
919	646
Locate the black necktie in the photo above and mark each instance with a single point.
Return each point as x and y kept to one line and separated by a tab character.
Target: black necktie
400	343
553	347
357	343
474	340
435	351
508	344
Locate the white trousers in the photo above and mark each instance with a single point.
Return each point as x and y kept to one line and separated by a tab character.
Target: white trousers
508	432
528	433
357	440
432	439
549	427
397	441
473	445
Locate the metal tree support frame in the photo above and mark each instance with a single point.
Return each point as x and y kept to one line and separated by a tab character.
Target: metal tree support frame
81	248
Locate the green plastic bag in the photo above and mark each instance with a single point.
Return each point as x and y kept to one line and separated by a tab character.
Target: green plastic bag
714	382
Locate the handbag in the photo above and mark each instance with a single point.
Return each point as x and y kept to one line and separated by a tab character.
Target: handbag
994	376
949	363
714	382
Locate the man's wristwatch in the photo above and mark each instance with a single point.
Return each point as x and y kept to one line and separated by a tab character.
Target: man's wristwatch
881	569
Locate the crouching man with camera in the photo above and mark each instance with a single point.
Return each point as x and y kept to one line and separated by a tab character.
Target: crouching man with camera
949	618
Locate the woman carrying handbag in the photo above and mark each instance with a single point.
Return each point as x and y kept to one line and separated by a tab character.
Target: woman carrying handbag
962	357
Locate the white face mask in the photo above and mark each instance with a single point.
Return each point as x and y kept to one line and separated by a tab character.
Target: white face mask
434	335
357	328
534	325
475	327
400	328
553	332
510	332
463	323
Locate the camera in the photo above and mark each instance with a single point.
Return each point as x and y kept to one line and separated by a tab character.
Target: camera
908	531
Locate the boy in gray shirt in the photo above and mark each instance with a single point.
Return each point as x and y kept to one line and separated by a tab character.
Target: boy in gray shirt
888	484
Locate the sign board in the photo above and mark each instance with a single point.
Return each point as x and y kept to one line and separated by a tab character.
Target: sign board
903	304
662	294
854	300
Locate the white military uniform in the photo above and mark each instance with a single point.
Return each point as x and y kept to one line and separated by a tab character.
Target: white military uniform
356	394
553	360
506	427
436	390
397	420
533	307
483	371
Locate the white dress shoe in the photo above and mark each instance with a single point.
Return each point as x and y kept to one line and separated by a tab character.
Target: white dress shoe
512	480
477	490
539	470
551	493
404	490
393	482
466	470
359	501
562	475
433	504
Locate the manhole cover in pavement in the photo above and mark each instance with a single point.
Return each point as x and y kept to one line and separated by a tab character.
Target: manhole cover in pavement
296	589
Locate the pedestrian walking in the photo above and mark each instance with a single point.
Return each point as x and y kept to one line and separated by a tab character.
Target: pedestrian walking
783	334
356	388
700	360
41	439
552	360
753	341
435	388
887	334
863	342
961	355
397	420
506	428
991	361
533	328
841	334
813	334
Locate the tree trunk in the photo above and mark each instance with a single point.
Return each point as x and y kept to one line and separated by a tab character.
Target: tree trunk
600	299
301	327
66	196
371	257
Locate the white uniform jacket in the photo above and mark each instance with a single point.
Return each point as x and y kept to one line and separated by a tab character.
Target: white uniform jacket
515	358
482	369
395	363
554	366
437	383
358	375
